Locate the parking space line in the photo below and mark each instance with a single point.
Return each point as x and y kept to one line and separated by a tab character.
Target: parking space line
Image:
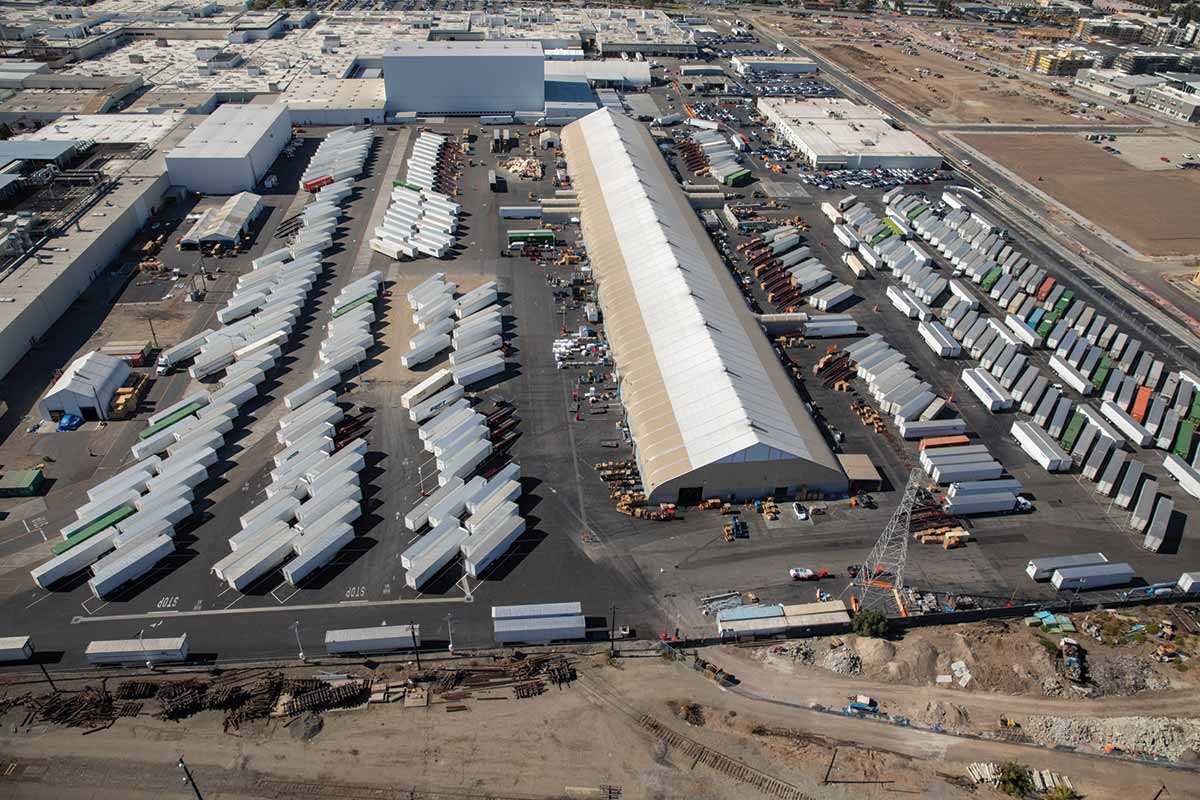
40	599
267	609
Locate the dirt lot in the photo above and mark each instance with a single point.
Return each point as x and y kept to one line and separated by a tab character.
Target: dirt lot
953	93
1014	672
647	726
1152	211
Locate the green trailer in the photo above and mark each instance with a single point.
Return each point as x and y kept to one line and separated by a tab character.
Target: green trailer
353	304
739	178
886	233
1101	375
917	212
409	186
1074	428
96	526
1194	412
1045	326
533	237
1183	439
168	421
990	279
21	483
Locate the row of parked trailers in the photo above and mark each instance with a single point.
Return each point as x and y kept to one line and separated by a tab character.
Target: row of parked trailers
129	522
314	497
1091	354
340	155
470	324
915	407
419	220
431	164
474	511
790	274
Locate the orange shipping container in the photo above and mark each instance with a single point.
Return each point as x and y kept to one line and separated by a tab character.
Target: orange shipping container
1141	404
1045	289
942	441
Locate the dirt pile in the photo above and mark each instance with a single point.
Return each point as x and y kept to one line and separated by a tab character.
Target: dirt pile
1145	735
1125	675
843	661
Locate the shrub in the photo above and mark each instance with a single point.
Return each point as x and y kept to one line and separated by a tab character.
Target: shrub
870	623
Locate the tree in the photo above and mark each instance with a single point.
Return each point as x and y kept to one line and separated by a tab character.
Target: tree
1014	780
1062	793
865	5
870	623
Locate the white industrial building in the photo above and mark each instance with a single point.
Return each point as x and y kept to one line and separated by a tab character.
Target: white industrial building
832	133
323	100
711	410
465	78
782	64
231	150
86	388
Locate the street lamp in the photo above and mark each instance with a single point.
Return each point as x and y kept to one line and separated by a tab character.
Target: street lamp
296	630
450	630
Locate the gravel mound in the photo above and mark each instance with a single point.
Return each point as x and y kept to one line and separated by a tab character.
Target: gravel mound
843	661
1155	735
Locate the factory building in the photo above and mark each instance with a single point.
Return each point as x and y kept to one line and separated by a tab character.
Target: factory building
231	150
833	133
711	410
465	78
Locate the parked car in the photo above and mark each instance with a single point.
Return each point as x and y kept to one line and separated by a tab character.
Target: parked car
801	511
69	422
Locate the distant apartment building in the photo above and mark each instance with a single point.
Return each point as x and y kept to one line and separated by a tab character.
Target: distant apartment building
1113	30
1141	62
1178	98
915	8
1061	61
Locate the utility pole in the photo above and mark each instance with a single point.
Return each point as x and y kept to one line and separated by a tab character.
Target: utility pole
450	630
612	631
412	632
47	676
187	778
829	769
153	335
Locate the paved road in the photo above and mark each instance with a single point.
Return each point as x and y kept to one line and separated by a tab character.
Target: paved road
1162	328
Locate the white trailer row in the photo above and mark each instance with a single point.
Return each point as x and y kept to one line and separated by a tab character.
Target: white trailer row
1041	447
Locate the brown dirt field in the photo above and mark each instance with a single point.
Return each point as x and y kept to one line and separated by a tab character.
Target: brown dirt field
960	95
1154	212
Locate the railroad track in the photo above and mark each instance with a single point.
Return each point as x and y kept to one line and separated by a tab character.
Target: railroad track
731	767
335	791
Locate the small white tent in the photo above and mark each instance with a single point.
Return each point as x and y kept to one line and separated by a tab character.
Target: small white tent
86	388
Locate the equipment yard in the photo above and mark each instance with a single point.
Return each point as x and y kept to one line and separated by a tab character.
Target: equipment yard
1151	209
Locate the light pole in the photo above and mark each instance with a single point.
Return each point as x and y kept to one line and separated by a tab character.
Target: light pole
450	630
412	632
187	778
296	630
142	645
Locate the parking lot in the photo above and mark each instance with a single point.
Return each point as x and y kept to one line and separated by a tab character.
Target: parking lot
649	575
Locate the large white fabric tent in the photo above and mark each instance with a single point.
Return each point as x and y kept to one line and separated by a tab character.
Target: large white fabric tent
711	410
86	388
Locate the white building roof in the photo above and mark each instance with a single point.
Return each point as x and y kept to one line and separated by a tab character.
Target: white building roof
231	131
90	381
633	73
699	378
834	127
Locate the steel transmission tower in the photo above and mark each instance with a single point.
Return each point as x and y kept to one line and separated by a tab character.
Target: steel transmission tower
883	571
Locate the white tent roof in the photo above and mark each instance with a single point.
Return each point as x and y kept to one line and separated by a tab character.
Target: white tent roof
223	224
699	378
90	381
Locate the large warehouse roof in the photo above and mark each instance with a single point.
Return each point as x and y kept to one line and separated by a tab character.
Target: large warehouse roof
699	379
231	131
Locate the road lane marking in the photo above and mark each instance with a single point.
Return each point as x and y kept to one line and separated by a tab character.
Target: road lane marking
212	612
